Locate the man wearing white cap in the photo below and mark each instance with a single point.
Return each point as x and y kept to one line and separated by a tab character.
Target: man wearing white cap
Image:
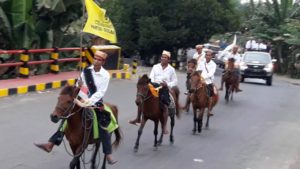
164	75
208	69
96	79
200	54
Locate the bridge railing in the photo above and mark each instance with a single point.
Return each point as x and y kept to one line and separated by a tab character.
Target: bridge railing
24	63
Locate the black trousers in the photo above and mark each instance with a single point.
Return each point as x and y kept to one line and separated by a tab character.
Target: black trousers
210	90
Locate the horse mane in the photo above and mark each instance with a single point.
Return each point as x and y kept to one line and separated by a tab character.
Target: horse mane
143	80
196	73
231	60
69	90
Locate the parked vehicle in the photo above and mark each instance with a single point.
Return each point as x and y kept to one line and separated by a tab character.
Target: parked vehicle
257	65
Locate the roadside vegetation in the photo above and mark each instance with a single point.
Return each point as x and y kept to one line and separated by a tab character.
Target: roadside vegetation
146	27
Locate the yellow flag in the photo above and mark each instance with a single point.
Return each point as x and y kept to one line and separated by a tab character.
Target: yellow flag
97	23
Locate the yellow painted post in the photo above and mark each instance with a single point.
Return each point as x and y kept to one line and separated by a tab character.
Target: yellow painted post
24	68
54	67
134	66
125	67
83	63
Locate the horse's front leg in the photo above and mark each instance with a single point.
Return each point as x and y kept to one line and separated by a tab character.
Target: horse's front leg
195	120
77	151
104	162
200	118
140	131
155	134
162	129
93	160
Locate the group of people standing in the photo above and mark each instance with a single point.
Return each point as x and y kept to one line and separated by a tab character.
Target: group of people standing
257	45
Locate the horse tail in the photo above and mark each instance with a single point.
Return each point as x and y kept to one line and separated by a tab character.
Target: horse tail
117	132
177	93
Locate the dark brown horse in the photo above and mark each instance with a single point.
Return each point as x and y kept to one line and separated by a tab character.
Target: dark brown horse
79	126
200	100
230	79
151	109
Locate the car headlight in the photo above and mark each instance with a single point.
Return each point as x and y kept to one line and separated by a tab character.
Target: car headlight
269	67
243	66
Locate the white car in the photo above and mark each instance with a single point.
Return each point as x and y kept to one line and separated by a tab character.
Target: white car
257	65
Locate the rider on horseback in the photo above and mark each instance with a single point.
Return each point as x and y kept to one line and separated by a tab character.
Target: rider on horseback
191	67
208	68
162	74
237	59
96	78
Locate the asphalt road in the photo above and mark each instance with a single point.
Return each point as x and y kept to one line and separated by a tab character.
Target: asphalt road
259	129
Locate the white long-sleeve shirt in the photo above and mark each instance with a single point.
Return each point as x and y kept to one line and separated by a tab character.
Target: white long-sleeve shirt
237	58
101	80
199	57
159	75
208	71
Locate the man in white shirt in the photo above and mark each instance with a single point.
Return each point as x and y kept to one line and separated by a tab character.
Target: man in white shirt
96	78
162	74
200	54
208	69
251	44
237	59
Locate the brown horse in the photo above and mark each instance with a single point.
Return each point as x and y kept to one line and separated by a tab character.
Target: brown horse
230	79
79	126
151	109
200	100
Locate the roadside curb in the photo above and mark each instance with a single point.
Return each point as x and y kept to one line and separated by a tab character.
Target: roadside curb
287	79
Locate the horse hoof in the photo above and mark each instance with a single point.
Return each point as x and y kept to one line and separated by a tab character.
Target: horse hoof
135	149
155	148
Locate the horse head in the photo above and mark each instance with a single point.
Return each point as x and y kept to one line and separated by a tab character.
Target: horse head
65	103
231	63
142	89
197	81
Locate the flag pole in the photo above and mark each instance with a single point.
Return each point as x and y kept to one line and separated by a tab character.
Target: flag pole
81	33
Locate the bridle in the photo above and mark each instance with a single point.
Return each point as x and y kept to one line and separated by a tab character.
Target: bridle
69	109
144	96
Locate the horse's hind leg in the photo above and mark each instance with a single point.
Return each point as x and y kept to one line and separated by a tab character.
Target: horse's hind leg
172	116
207	120
195	120
93	160
155	134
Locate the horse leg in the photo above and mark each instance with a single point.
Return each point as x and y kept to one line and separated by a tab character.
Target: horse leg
140	131
232	91
227	93
155	134
200	120
172	116
207	120
162	133
93	160
76	159
195	120
104	162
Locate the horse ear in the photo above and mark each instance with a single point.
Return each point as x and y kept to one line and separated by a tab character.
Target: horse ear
145	76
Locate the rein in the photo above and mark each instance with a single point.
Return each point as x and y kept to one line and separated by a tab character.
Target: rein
144	96
71	107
